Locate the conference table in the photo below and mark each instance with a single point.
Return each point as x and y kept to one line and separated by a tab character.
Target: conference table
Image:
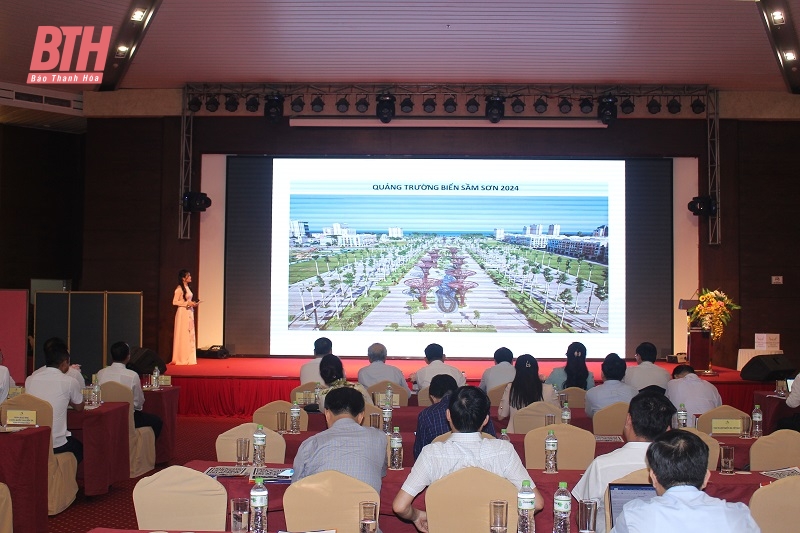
163	402
24	468
104	434
773	408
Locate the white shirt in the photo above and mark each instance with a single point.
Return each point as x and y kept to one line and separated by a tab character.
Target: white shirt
697	395
646	374
309	372
462	450
6	382
378	371
611	391
58	389
119	373
608	468
687	510
793	400
436	367
499	374
72	372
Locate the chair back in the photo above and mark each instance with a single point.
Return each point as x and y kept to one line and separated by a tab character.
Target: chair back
772	505
576	396
424	397
637	477
610	420
444	436
780	449
335	498
226	444
704	421
305	387
397	390
141	441
575	447
181	499
29	402
713	446
533	416
460	501
496	394
6	513
267	415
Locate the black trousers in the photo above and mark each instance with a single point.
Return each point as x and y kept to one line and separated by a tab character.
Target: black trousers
74	446
142	419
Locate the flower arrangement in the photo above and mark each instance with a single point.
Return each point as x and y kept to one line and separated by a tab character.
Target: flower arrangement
713	312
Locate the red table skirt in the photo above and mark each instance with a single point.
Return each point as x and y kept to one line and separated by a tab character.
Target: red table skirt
164	404
24	457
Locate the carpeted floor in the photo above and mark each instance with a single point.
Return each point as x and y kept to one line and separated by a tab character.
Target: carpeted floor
195	439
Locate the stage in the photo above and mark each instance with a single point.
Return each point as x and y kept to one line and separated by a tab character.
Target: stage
236	387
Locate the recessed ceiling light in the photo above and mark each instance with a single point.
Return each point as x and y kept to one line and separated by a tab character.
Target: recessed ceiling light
138	14
777	18
122	51
790	56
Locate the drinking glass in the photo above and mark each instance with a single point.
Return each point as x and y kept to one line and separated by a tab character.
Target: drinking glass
282	421
745	434
562	398
587	516
367	517
242	451
309	397
240	514
375	420
87	395
726	460
780	387
549	419
498	516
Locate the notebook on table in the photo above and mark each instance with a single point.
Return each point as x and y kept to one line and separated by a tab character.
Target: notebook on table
621	493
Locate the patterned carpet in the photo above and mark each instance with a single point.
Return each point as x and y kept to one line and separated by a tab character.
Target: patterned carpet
195	439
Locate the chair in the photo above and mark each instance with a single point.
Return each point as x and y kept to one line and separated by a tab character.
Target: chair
723	411
141	441
6	513
460	501
444	436
305	387
610	420
181	499
496	394
424	397
61	468
226	444
773	505
713	446
533	416
397	390
780	449
267	415
576	396
335	498
637	477
575	447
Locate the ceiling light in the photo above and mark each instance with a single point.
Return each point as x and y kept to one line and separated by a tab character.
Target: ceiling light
540	105
518	106
194	104
317	104
627	106
654	106
495	108
789	55
298	105
342	105
674	106
138	15
586	105
252	103
450	105
407	105
473	105
429	105
273	106
607	109
212	104
362	105
231	103
122	51
384	109
703	206
778	18
565	106
698	107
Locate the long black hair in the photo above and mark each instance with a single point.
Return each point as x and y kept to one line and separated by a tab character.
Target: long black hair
526	387
576	370
181	275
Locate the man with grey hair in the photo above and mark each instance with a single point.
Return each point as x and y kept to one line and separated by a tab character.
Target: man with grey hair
378	370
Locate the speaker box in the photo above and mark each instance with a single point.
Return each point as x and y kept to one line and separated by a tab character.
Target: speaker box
768	368
214	352
144	360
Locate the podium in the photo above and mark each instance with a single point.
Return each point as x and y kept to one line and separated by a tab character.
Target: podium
698	349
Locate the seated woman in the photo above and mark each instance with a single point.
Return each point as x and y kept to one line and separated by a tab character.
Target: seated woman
526	388
575	373
332	373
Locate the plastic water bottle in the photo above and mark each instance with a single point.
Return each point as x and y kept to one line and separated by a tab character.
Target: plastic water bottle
294	419
550	453
396	450
526	505
562	507
566	414
757	418
259	446
683	416
156	376
504	435
259	499
317	390
389	395
95	398
387	418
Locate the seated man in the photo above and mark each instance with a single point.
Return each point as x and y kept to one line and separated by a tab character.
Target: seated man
678	462
346	446
501	373
378	370
309	372
467	413
74	371
646	372
696	395
121	355
649	415
6	381
50	383
434	357
613	389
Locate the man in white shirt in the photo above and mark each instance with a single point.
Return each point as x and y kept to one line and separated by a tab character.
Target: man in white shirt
649	415
696	395
501	373
434	356
613	389
678	465
52	384
467	414
309	372
646	373
74	371
378	370
120	357
6	381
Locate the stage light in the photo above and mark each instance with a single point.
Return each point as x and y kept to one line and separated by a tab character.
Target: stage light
473	105
407	105
252	103
518	106
703	206
317	104
298	105
698	107
586	106
362	105
342	105
540	105
194	202
450	105
231	103
384	108
194	104
212	104
627	106
607	109
429	105
565	106
273	106
654	106
674	106
495	108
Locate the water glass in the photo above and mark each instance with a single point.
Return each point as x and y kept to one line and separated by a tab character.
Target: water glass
242	451
746	422
367	517
587	516
309	397
562	398
498	516
780	387
240	514
549	419
375	420
283	417
726	460
87	395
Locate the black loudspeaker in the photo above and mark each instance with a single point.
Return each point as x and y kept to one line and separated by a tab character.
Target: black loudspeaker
144	360
768	368
215	352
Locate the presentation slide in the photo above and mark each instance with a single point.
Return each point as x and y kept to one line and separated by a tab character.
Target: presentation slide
471	254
